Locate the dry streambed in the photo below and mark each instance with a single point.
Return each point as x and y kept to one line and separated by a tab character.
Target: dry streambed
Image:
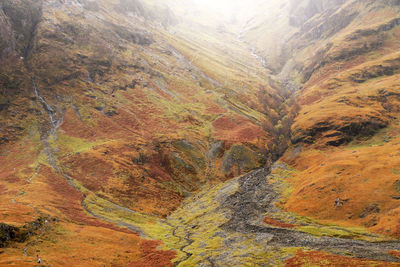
224	225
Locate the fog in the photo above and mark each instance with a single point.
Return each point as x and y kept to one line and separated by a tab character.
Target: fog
223	9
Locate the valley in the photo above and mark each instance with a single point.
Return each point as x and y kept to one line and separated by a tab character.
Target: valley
159	133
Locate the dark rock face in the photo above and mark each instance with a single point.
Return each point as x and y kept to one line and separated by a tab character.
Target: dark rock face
306	9
242	158
374	72
10	234
7	38
343	133
135	36
329	26
18	21
4	107
7	233
368	32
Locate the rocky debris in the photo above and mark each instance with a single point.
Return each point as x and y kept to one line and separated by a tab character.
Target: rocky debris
250	203
111	113
255	197
370	209
244	202
216	150
56	117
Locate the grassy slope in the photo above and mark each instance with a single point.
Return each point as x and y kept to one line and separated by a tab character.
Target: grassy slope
351	94
140	110
145	124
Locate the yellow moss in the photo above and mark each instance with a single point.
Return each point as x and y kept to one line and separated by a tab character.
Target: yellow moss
74	145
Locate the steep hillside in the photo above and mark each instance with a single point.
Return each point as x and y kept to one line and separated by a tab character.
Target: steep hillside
344	55
147	129
122	102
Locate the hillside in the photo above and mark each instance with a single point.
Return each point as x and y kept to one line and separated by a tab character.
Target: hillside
158	133
345	55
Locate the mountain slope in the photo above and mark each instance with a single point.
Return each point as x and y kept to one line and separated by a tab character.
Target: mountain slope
100	100
345	56
124	123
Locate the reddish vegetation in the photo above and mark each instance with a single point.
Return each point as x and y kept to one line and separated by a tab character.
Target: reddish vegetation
69	202
395	253
316	258
224	123
139	121
151	257
86	167
74	127
143	116
215	109
63	202
237	129
355	175
115	172
273	222
397	231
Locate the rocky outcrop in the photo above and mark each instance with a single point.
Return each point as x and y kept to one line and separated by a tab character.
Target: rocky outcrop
240	159
339	134
374	72
10	234
301	11
310	40
7	38
360	43
368	32
18	22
